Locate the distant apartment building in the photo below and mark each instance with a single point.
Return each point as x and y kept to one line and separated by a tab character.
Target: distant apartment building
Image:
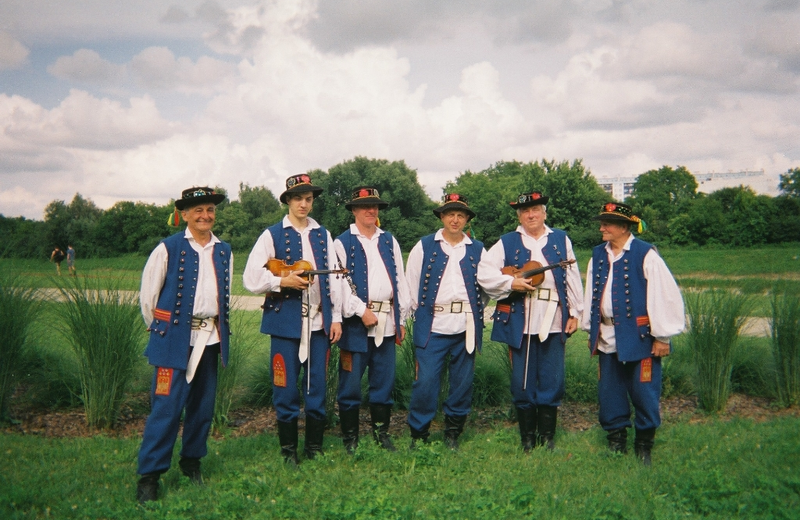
622	187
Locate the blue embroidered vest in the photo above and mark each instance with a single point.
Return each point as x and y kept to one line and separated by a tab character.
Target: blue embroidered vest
509	315
433	266
171	329
628	298
354	333
283	311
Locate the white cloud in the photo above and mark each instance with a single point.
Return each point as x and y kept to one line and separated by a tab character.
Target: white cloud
157	68
13	54
86	66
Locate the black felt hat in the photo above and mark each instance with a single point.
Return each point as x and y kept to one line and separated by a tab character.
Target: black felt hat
454	201
199	195
533	198
300	183
366	196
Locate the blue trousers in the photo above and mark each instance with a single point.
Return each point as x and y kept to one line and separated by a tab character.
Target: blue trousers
425	390
381	362
545	379
197	399
285	394
619	380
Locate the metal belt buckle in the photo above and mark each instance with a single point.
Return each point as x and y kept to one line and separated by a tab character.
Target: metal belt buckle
456	305
438	308
539	295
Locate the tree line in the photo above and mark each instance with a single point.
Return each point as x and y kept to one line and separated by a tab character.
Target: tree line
666	199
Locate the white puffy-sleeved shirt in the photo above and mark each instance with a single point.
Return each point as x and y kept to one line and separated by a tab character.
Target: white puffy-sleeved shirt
498	285
664	300
205	299
260	280
380	286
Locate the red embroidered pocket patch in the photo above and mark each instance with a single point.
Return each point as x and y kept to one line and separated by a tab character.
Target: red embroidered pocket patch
161	315
163	381
278	371
346	359
646	370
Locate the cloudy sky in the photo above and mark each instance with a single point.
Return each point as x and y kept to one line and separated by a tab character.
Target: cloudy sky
138	99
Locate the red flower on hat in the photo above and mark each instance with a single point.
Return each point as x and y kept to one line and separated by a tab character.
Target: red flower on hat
305	178
453	197
536	195
611	206
363	193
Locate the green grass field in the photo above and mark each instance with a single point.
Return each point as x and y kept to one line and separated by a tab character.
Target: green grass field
709	468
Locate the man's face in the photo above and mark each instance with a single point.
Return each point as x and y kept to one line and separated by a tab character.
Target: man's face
200	218
454	220
300	204
366	216
532	218
613	231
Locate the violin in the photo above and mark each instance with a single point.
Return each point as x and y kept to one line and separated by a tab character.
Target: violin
281	268
533	271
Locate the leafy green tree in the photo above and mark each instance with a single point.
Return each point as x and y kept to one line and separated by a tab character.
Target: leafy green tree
790	182
240	222
22	238
409	215
574	195
666	193
72	223
131	227
745	216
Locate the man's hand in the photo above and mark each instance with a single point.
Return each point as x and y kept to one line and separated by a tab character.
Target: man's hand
572	325
522	285
336	332
294	281
660	349
369	319
401	334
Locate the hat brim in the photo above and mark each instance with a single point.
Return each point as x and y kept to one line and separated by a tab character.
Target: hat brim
182	204
367	201
457	206
533	202
301	188
614	217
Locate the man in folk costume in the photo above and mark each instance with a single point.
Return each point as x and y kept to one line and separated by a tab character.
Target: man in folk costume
374	313
302	314
534	320
448	303
185	296
635	307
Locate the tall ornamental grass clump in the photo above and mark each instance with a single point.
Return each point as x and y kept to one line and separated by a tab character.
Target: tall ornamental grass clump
786	345
716	319
104	327
230	387
19	309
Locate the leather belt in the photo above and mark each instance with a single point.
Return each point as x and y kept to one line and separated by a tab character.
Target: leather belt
456	307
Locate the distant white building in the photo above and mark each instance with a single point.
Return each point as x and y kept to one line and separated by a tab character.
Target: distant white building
622	187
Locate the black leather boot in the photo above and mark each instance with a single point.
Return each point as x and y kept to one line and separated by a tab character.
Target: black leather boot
381	418
547	418
618	440
527	427
287	436
315	431
349	423
643	444
147	488
420	435
191	468
453	426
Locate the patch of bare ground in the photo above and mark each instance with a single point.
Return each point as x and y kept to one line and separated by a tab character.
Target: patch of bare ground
255	421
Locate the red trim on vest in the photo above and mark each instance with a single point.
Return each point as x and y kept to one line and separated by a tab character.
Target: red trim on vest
162	315
503	308
642	320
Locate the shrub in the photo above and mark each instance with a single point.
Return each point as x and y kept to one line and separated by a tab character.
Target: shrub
19	309
786	345
716	318
103	325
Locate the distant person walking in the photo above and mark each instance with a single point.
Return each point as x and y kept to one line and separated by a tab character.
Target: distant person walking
57	256
71	260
